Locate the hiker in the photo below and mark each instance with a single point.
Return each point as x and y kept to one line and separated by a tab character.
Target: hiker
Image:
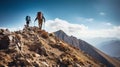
28	19
40	19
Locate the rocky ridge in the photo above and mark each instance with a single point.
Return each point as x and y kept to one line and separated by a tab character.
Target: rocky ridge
38	48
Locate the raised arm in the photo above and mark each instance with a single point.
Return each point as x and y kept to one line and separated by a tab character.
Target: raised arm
35	19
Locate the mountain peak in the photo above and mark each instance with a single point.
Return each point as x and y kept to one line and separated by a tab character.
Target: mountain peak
88	49
61	32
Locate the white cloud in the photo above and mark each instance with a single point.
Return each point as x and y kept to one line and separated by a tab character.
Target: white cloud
89	19
80	30
12	29
57	24
2	28
84	20
102	13
109	24
15	29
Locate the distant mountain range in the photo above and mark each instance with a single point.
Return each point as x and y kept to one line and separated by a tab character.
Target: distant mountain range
98	40
111	47
88	49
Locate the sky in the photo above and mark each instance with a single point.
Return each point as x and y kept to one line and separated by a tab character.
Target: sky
80	18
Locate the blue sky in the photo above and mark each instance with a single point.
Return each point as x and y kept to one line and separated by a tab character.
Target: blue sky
81	18
13	12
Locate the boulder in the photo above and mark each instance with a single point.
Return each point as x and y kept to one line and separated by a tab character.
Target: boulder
4	42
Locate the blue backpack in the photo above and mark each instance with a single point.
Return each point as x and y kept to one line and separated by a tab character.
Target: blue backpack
28	18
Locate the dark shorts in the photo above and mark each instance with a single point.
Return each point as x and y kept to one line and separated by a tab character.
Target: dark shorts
27	22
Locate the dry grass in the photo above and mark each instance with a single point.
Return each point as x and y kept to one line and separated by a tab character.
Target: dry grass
44	34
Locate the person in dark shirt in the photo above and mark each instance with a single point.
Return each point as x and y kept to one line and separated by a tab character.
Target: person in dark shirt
28	19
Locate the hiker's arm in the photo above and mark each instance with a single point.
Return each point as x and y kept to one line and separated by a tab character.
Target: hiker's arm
35	19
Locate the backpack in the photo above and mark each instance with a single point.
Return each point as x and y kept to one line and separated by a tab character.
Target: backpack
39	15
28	18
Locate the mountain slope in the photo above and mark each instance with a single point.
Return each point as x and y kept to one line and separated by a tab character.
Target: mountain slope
87	48
32	47
111	47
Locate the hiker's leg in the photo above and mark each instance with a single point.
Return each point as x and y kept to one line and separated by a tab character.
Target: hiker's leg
39	25
27	24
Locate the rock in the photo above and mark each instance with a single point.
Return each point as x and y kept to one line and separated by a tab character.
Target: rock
45	64
77	65
4	42
52	34
38	48
1	31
